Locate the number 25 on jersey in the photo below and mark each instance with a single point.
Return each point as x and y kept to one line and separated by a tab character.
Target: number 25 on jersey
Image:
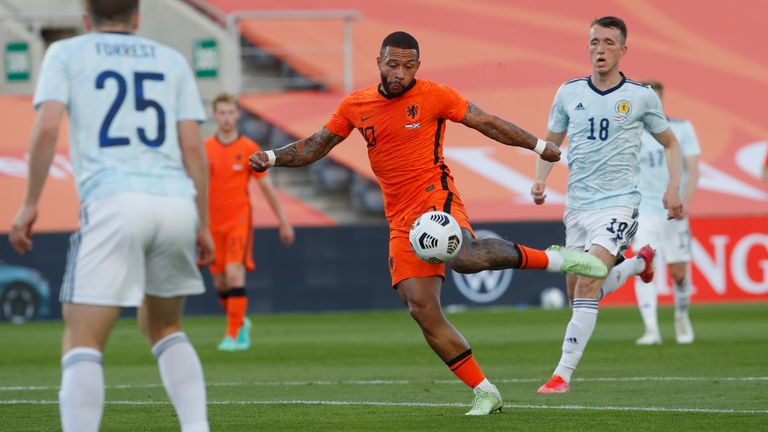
140	104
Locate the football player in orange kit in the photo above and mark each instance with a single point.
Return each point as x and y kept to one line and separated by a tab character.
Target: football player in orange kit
230	218
403	121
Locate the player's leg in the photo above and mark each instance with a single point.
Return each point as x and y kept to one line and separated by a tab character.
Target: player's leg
607	232
581	326
682	289
180	367
222	290
81	397
238	325
477	255
678	251
422	296
171	275
650	232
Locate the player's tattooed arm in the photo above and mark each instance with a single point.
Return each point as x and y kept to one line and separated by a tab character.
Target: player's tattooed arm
497	129
298	153
508	133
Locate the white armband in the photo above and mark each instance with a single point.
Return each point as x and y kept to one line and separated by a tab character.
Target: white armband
271	157
540	146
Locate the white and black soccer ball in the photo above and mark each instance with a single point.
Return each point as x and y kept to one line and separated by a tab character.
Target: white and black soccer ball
435	237
552	298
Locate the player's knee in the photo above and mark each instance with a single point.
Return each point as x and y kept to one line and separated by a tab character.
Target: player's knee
424	312
587	287
677	273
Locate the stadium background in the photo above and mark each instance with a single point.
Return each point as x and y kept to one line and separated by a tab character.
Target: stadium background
508	57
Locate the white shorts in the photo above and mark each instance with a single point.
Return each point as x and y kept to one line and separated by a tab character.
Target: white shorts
129	245
611	228
670	237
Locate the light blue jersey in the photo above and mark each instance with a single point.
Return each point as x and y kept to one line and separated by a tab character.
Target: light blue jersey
124	96
654	175
604	129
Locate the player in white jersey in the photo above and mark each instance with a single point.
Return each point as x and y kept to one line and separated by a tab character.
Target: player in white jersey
140	169
603	115
671	237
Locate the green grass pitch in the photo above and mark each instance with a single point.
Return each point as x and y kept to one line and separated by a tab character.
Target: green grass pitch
374	372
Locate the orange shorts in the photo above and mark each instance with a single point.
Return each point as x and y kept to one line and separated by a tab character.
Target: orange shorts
403	263
233	243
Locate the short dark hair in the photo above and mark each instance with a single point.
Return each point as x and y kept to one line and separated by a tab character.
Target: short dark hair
400	39
612	22
656	85
114	11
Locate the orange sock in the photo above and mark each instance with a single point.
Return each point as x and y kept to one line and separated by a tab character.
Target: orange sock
465	367
223	297
237	306
532	258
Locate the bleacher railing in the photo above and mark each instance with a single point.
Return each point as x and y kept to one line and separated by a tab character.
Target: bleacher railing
232	20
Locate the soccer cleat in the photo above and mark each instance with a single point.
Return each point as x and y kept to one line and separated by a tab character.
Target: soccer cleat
649	338
485	402
556	384
244	334
683	329
580	263
231	344
646	254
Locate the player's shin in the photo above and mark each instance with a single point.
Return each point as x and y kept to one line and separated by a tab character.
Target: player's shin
81	397
182	376
577	336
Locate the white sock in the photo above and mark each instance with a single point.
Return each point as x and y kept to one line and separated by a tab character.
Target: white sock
555	261
486	385
646	302
620	273
682	296
81	398
577	336
182	376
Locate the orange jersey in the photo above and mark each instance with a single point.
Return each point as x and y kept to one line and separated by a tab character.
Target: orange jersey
405	140
228	197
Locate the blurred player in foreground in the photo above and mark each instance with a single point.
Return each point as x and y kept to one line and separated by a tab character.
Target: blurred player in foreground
603	115
671	237
230	216
403	121
141	178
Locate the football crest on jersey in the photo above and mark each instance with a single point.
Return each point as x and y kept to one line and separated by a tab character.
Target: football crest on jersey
623	108
412	111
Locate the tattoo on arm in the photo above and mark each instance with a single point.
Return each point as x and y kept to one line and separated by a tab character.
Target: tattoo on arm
497	129
307	150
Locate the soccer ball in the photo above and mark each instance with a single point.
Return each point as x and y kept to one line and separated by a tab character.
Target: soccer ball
435	237
552	298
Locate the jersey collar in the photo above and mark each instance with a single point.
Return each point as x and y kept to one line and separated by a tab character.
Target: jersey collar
226	144
610	90
386	96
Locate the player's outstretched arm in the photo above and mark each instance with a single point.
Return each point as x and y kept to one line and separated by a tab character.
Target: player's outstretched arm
543	169
298	153
508	133
42	148
672	201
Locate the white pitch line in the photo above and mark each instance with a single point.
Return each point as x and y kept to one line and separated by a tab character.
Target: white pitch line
417	404
399	382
